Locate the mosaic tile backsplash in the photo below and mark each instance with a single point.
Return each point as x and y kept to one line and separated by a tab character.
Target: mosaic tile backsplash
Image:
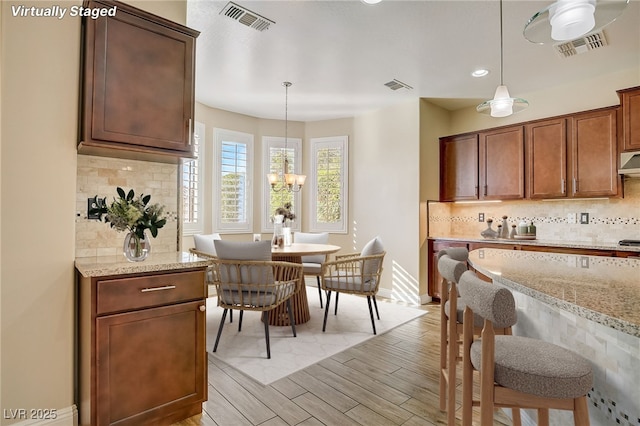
610	220
101	176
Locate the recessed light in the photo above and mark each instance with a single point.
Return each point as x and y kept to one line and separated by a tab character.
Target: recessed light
480	73
371	1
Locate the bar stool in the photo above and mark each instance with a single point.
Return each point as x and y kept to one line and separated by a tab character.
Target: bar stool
515	371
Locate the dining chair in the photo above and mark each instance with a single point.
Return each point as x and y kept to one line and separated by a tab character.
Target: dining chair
248	280
312	264
355	274
515	371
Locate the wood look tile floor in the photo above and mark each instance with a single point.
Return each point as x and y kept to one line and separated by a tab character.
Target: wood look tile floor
391	379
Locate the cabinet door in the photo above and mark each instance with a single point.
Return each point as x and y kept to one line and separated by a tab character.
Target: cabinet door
139	81
630	100
459	168
502	164
149	363
546	145
594	162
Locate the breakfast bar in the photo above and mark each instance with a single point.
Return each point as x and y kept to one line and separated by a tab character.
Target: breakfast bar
588	304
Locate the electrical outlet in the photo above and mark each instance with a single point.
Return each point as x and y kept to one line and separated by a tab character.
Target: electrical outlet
94	203
480	217
584	218
572	218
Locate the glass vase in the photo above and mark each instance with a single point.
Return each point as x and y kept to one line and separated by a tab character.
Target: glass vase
136	249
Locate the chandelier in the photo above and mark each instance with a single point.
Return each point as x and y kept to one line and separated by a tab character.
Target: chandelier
286	181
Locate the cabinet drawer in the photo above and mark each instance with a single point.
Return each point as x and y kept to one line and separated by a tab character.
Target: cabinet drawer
124	294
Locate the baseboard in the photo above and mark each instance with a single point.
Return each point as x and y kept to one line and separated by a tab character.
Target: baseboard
50	417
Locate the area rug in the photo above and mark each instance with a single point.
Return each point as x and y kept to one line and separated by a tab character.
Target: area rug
246	351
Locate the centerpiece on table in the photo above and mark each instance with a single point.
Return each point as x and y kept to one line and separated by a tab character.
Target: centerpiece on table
135	215
282	225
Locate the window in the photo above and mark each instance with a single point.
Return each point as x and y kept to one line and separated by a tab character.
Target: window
329	184
192	171
273	162
232	204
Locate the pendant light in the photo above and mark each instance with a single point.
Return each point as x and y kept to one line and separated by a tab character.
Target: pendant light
286	181
566	20
502	104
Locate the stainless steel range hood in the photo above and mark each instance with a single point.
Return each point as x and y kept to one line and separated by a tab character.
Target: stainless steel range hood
630	163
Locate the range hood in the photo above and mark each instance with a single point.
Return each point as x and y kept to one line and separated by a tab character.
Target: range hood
630	163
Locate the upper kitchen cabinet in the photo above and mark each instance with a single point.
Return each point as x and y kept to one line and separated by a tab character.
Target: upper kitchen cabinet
138	85
501	154
546	153
593	162
630	102
459	168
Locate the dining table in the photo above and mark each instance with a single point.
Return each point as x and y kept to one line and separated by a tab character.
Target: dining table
299	303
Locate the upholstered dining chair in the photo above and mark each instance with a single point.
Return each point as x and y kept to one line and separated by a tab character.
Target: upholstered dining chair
515	371
248	280
312	265
355	274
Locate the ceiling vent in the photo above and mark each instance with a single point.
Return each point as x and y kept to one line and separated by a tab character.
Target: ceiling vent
246	17
581	45
397	84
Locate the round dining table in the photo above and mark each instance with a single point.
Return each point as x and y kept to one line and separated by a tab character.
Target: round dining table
299	303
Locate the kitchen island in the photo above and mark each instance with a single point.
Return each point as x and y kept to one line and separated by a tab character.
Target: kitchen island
586	303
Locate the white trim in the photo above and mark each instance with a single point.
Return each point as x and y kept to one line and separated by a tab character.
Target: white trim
67	416
197	228
336	142
295	144
220	136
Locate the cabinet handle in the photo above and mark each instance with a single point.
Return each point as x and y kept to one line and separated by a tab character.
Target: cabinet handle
202	308
575	185
564	186
476	190
166	287
485	190
190	134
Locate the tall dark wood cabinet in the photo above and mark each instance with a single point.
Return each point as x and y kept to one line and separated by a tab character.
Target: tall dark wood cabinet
630	102
459	168
593	154
501	156
138	85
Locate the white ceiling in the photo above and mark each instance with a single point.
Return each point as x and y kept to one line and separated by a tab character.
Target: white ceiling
339	54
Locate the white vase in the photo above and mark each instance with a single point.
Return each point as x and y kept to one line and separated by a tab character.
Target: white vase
136	249
288	236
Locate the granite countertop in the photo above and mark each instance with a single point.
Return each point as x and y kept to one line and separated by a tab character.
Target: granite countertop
546	243
118	265
605	290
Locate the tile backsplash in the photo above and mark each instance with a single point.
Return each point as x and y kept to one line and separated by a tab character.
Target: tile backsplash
101	176
610	220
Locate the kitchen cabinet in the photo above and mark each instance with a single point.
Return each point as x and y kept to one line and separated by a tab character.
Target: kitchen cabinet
593	158
501	154
142	347
630	103
459	168
546	152
138	85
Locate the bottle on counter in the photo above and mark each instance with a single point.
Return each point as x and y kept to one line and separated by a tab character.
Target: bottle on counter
513	233
505	228
489	233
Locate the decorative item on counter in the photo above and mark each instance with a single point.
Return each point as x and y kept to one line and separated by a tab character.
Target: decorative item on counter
504	233
526	231
489	233
278	236
513	233
136	215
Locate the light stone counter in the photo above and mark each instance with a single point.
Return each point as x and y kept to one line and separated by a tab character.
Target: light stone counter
118	265
605	290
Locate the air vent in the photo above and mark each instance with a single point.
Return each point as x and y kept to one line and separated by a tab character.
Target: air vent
581	45
397	84
246	17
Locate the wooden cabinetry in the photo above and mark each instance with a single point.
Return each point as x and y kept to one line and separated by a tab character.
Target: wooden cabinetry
459	168
593	158
138	85
142	348
630	102
546	152
501	154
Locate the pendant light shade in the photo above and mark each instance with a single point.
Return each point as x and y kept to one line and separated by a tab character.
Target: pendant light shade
567	20
502	104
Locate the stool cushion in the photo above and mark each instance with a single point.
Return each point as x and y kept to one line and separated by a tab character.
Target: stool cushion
478	321
537	367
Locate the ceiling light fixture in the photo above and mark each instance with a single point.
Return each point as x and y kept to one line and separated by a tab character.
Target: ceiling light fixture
480	73
285	180
371	1
566	20
502	104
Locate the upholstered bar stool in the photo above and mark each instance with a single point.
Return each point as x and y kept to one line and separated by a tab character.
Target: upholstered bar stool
515	371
